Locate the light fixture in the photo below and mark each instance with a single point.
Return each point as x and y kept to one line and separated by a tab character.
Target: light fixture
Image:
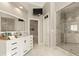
18	10
21	7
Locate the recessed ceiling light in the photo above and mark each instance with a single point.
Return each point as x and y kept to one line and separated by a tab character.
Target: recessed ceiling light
21	7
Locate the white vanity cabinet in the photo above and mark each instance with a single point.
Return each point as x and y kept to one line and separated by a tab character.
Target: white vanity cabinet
12	47
23	46
9	47
16	47
28	44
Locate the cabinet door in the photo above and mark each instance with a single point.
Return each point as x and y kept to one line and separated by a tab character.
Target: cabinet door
31	42
25	48
23	43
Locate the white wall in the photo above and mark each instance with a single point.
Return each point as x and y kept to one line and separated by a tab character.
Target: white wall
53	24
19	26
50	9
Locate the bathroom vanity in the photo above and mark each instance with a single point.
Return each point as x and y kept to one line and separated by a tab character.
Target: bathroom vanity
16	47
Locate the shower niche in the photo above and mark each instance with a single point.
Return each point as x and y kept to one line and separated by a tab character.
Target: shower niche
68	28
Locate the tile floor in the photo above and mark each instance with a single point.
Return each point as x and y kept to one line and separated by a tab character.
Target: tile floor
71	47
45	51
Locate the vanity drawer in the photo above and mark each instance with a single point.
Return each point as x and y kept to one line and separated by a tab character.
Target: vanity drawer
12	51
15	48
31	40
12	47
15	54
12	44
25	51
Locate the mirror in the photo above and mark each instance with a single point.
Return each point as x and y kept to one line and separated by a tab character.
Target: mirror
7	24
11	23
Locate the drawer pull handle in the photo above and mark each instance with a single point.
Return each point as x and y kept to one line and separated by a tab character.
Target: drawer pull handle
14	54
14	43
25	51
30	46
24	41
31	43
14	48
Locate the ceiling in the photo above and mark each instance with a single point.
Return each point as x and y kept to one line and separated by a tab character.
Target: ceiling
33	4
28	5
39	4
71	8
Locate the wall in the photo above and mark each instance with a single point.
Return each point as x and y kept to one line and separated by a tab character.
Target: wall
53	24
20	26
50	9
12	9
46	33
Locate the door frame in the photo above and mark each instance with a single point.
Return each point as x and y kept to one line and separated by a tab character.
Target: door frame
38	27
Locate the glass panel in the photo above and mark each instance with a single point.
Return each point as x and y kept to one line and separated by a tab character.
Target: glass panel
68	28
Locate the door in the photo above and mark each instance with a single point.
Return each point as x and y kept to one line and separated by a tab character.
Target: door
34	31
